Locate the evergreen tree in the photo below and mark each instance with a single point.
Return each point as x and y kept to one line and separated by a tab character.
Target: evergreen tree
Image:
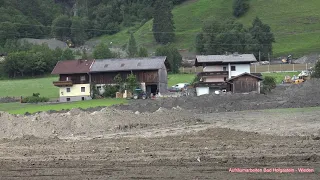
174	58
264	37
143	52
102	51
67	54
78	34
240	7
163	25
61	27
132	46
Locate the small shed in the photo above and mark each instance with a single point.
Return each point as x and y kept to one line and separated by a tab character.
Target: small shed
245	83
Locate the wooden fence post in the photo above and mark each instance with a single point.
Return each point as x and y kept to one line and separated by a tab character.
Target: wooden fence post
292	67
280	68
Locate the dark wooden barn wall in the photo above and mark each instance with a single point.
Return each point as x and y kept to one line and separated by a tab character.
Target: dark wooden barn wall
245	84
108	77
76	78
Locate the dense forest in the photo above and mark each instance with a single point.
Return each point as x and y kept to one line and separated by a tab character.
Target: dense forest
77	20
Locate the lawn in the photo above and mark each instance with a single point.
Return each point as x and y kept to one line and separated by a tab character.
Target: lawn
25	87
296	32
280	75
18	108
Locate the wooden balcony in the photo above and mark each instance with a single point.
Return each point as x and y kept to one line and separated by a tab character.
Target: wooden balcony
212	84
213	73
63	83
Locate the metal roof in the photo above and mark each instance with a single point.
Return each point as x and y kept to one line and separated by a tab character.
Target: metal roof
233	58
128	64
72	67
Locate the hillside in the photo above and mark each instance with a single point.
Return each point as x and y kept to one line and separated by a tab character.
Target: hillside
294	24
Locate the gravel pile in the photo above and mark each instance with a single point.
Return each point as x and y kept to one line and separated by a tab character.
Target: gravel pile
80	123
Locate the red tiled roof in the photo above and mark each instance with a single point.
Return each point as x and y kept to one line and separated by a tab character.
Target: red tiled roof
72	67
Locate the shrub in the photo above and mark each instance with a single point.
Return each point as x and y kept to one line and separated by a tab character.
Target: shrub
268	84
110	91
35	98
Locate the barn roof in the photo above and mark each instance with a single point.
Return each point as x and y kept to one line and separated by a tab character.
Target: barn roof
72	67
233	58
243	74
128	64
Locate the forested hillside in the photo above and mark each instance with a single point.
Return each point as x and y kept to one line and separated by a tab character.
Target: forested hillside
77	20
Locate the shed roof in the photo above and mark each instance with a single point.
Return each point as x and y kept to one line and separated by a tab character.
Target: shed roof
243	74
128	64
233	58
72	67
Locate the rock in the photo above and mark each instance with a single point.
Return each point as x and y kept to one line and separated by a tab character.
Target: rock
137	112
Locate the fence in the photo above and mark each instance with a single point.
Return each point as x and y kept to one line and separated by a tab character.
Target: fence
260	68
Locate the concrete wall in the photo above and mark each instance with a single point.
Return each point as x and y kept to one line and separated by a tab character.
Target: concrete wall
240	68
74	98
75	90
163	79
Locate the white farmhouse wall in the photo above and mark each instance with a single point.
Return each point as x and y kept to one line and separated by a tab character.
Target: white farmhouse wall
240	68
214	68
214	79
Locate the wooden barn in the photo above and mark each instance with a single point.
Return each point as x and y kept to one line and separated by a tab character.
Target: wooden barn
151	72
244	83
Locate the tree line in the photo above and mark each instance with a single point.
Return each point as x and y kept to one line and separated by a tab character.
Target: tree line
219	37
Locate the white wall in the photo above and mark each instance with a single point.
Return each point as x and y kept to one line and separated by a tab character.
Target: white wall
75	90
214	79
214	68
240	68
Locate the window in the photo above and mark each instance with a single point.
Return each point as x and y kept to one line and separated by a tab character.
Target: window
225	78
82	98
83	89
67	78
224	68
233	68
68	89
82	78
68	99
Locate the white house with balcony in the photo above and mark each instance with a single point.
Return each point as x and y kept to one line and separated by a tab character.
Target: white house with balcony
218	69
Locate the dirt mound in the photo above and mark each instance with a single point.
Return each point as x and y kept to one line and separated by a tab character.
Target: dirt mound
80	123
294	96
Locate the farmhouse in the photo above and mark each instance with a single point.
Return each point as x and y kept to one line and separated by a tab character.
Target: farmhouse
77	76
151	72
226	72
74	79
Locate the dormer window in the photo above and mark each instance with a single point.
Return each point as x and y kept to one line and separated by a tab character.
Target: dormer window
139	64
122	65
106	65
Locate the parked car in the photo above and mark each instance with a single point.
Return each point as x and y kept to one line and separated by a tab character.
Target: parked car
178	87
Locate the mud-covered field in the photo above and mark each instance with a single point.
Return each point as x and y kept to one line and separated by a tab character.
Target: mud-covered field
184	139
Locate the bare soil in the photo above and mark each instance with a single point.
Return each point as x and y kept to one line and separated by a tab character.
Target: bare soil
182	138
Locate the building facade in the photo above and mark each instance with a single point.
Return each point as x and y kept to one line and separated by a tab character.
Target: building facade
76	77
74	80
218	69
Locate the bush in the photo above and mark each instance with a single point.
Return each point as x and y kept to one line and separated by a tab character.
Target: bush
240	7
268	84
110	91
35	98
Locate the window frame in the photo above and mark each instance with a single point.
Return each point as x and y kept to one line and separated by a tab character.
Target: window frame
233	68
83	88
